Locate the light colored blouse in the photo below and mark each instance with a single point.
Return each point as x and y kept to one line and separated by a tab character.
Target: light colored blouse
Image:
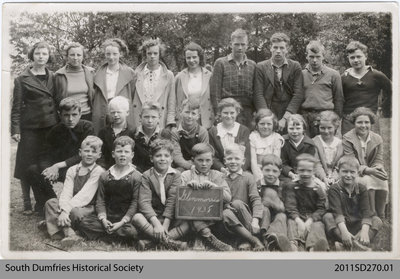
150	83
194	85
227	136
330	149
271	144
111	82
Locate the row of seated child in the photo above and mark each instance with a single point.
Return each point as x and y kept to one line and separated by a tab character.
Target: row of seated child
189	133
140	208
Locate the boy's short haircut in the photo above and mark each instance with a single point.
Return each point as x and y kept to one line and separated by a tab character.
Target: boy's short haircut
348	160
267	113
362	111
331	116
239	33
93	142
160	144
297	119
124	140
151	105
354	45
119	101
315	47
68	104
229	102
271	159
202	148
191	103
233	149
280	37
306	157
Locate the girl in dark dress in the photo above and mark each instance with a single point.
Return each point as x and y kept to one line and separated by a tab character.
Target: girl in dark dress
33	114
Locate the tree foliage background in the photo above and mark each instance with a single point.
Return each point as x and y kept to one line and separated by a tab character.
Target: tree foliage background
211	31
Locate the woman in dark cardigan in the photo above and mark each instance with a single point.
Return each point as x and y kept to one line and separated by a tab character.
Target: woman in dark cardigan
33	114
75	80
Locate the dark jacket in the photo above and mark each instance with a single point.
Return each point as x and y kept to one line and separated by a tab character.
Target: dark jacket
242	139
61	84
292	82
349	207
149	195
33	104
63	144
107	136
304	202
289	152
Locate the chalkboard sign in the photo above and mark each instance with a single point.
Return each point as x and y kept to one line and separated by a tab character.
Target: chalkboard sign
199	204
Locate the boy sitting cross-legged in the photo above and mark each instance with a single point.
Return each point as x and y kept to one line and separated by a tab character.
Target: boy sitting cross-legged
199	177
117	197
157	197
245	211
77	198
350	220
275	236
305	205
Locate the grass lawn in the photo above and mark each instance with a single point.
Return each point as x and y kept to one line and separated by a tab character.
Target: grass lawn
25	236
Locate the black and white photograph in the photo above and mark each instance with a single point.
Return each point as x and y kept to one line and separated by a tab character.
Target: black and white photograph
199	130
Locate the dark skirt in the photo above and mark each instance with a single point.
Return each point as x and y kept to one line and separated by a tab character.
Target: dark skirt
32	144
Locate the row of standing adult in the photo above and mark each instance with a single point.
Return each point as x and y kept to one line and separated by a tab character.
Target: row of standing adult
277	83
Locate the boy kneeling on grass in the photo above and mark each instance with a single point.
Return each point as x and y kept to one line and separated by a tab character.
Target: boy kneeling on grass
200	177
242	216
117	197
157	197
274	217
76	201
305	204
350	221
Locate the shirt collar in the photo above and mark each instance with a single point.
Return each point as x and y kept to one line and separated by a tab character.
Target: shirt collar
308	68
297	143
169	171
230	58
284	63
140	131
349	70
200	173
368	139
147	70
90	168
239	172
222	132
129	170
109	71
276	183
334	143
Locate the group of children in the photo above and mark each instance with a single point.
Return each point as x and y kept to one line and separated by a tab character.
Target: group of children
302	194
